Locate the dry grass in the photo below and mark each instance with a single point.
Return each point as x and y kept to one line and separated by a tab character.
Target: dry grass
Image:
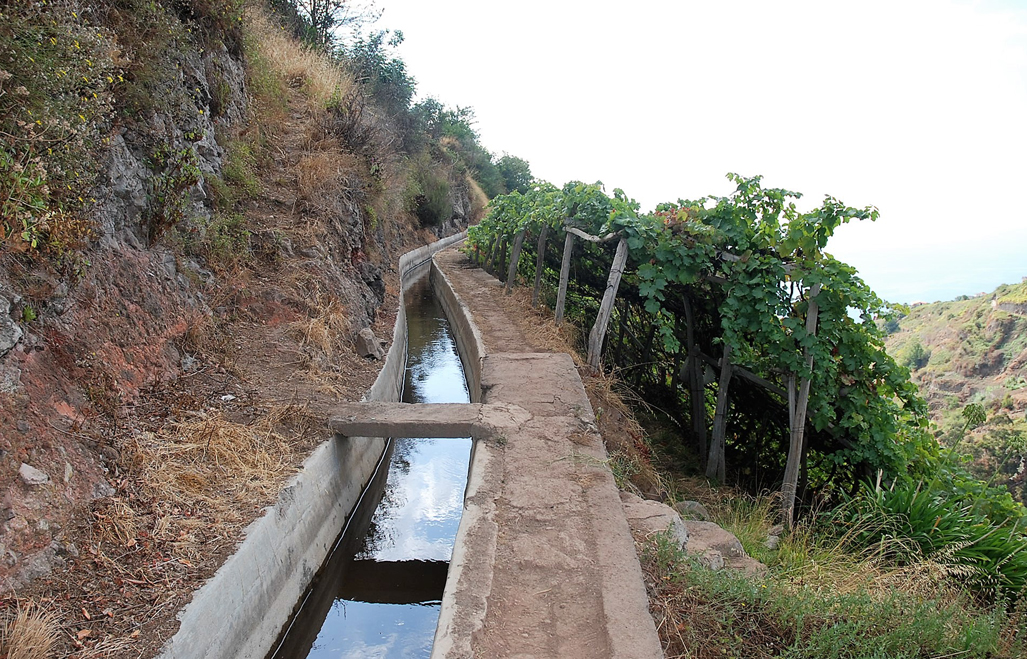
322	80
479	200
538	328
322	334
214	465
322	174
694	625
805	557
116	523
30	634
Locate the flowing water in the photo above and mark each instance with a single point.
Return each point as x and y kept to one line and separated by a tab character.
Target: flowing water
379	593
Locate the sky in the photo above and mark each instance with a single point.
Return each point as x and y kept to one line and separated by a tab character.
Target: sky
916	107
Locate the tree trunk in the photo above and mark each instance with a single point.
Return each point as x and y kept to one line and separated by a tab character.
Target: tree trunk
515	256
598	333
540	261
797	408
697	392
565	273
717	466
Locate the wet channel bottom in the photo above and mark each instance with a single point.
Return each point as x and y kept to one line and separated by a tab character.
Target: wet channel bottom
379	593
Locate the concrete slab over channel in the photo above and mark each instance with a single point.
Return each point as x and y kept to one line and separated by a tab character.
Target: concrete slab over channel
380	419
544	564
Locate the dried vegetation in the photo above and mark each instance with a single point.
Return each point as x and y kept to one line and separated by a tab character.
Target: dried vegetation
28	632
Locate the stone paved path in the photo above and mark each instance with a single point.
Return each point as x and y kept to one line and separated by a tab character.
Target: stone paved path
545	565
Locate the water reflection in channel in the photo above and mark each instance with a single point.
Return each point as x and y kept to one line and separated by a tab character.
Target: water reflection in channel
380	592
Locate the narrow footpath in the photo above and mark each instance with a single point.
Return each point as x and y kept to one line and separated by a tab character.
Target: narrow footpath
547	566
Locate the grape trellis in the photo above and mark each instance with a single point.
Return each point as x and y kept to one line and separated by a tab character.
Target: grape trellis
735	291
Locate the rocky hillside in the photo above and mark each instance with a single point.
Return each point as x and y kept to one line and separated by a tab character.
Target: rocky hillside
973	350
200	217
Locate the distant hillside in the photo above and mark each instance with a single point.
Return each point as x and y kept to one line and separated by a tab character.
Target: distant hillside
973	350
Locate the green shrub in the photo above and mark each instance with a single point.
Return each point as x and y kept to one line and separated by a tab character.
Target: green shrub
239	169
226	240
427	195
916	356
705	613
948	521
57	73
176	172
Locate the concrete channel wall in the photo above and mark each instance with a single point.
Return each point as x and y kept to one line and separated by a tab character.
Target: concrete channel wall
458	621
468	339
240	612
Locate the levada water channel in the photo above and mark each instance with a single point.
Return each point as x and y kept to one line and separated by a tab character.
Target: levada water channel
379	593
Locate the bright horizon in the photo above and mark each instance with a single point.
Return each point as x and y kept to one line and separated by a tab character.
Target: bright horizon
916	107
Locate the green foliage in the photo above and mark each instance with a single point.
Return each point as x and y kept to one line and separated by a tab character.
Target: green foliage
1014	294
239	168
941	522
326	19
297	23
57	72
516	173
383	74
24	208
427	195
452	134
721	613
769	255
176	173
916	356
226	240
446	134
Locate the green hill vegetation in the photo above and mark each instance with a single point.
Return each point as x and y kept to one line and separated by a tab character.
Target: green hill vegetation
972	351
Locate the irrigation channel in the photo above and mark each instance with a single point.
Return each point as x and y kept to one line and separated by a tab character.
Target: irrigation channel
379	592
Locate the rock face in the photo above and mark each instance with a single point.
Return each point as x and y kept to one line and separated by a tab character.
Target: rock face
715	548
32	476
719	548
10	333
367	344
115	319
653	517
692	510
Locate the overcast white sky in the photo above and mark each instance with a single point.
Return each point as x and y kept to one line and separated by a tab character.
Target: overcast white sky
916	106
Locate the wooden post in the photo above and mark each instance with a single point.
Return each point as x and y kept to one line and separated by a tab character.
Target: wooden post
696	389
540	262
798	416
511	272
717	467
490	261
598	333
565	273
